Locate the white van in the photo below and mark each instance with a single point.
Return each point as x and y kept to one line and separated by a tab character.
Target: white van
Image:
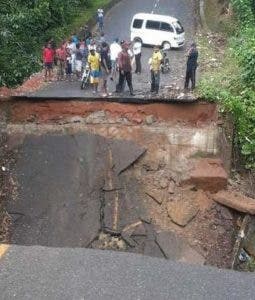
158	30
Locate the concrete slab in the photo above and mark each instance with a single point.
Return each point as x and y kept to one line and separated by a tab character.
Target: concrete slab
176	248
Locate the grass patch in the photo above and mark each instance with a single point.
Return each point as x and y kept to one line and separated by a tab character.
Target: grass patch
227	66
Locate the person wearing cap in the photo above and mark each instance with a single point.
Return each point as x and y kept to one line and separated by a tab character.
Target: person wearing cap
155	63
191	67
125	69
94	64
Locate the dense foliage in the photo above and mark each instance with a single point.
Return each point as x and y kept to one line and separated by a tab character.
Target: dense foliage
234	85
25	25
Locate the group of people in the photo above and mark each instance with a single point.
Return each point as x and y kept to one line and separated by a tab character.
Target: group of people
107	61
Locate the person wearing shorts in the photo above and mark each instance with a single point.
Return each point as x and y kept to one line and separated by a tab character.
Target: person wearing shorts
94	64
48	59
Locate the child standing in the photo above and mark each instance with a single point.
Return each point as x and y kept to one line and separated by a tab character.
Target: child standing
68	66
61	61
48	59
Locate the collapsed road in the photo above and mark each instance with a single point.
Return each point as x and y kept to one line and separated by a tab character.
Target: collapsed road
144	178
126	177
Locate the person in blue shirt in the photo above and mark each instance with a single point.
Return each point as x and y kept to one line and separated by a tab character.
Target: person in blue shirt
75	39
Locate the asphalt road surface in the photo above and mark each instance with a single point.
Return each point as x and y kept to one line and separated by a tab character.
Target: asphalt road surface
83	274
61	181
117	24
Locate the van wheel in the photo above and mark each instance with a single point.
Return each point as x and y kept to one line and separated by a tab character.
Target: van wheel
138	39
166	45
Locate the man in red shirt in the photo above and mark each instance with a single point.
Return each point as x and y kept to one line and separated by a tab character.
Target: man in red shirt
48	58
125	69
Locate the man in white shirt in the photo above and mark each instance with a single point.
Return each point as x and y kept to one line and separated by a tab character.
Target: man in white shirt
115	49
71	46
137	50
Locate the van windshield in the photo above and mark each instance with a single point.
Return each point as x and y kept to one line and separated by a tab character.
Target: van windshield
178	27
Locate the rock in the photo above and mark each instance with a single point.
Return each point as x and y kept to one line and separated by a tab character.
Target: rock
171	187
31	118
231	182
137	120
156	195
152	249
182	211
249	242
209	175
150	165
150	120
201	198
176	248
130	229
181	96
225	213
130	242
236	201
96	117
163	183
145	218
76	119
139	230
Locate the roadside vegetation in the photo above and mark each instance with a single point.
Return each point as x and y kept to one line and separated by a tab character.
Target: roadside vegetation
26	25
231	80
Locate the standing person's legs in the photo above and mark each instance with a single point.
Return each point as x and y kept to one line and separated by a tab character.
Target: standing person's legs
63	69
94	80
50	71
73	63
128	76
152	82
123	85
193	78
138	63
187	79
45	71
60	71
119	86
157	81
104	83
113	71
101	26
78	67
68	71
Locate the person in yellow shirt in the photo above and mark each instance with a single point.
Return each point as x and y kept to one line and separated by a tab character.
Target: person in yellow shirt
155	63
94	64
